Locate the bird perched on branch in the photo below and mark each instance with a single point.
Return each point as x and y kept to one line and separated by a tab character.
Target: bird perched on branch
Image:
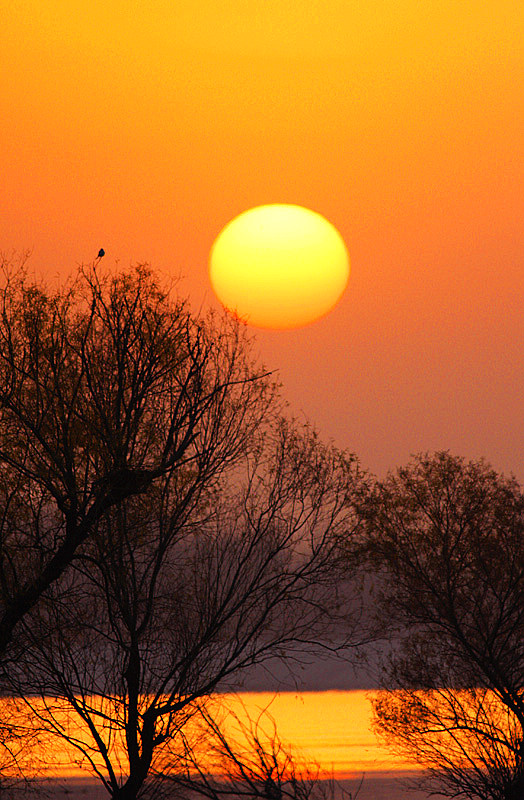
101	253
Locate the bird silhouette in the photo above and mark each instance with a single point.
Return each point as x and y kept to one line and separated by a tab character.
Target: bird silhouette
101	253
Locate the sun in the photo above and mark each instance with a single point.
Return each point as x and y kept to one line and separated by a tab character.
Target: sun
279	266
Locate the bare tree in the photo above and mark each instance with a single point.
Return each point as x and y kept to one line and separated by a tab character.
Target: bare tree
181	591
106	385
448	540
162	528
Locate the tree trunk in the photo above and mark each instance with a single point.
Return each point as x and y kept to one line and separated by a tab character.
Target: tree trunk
131	788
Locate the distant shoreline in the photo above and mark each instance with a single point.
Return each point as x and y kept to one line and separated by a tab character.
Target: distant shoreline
377	785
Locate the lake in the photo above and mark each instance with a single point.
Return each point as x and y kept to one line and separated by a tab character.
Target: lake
331	729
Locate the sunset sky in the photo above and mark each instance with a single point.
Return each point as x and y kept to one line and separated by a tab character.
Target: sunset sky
144	127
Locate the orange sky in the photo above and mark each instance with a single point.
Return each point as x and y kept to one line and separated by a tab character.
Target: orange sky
143	127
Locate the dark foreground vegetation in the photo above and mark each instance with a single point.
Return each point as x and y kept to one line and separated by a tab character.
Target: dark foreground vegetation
163	528
446	538
165	525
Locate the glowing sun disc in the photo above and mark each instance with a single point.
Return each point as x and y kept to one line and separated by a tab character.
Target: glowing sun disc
279	266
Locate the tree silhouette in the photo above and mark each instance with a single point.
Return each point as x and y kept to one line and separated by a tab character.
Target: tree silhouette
164	528
448	538
105	386
182	590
